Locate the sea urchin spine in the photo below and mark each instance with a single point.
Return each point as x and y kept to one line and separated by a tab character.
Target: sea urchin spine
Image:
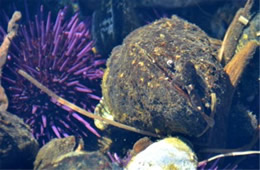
58	55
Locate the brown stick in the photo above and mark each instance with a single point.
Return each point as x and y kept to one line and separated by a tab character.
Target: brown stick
238	63
80	110
233	33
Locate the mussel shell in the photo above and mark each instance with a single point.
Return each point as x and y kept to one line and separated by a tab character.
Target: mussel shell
145	86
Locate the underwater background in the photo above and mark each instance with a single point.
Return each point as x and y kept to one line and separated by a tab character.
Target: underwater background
67	46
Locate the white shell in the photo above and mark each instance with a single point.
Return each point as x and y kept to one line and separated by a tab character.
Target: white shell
169	153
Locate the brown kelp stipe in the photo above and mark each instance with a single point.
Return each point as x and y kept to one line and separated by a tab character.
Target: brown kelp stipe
12	31
237	64
80	110
234	31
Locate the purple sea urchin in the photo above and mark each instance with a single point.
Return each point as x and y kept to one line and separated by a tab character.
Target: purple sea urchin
58	55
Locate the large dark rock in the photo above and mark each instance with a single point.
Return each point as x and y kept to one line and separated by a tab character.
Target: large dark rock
17	146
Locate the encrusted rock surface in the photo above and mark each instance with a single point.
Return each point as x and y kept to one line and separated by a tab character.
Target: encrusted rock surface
164	77
17	146
67	153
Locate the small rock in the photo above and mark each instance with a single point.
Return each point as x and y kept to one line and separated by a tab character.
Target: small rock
80	160
67	153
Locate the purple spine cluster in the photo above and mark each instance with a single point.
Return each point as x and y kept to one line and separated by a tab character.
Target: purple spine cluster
122	162
215	166
59	55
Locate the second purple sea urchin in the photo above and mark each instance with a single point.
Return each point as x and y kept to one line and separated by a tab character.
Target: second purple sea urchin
60	56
